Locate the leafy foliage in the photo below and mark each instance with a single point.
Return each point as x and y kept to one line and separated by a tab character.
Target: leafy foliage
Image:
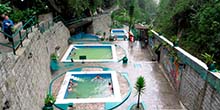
194	22
208	58
131	15
24	16
78	6
54	56
17	14
140	87
94	4
121	16
49	100
138	10
5	8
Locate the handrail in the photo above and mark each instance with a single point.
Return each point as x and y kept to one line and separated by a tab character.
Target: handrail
5	33
18	33
31	22
68	22
31	19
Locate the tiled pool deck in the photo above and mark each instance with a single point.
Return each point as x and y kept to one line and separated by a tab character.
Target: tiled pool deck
158	95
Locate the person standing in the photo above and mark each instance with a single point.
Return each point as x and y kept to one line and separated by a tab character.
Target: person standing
7	25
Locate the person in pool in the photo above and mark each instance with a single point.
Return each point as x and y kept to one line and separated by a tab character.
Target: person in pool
110	86
70	88
97	78
73	84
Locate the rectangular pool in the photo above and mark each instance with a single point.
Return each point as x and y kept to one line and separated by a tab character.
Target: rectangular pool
120	33
89	87
90	53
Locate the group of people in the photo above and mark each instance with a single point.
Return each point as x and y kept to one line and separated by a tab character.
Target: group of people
7	26
98	77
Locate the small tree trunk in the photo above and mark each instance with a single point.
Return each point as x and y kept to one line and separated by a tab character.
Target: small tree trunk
138	103
130	24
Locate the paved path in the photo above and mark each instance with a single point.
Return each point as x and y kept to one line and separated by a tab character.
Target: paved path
159	95
4	49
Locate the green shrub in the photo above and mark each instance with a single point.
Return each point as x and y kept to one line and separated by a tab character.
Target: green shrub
49	100
209	59
5	8
98	33
16	16
102	39
54	56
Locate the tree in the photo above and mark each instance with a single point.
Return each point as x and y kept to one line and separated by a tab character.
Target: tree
195	22
78	6
94	4
140	87
5	8
137	11
131	14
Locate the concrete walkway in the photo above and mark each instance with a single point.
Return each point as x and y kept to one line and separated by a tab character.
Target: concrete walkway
159	95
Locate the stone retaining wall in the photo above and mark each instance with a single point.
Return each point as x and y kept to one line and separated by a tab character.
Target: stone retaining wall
25	77
100	25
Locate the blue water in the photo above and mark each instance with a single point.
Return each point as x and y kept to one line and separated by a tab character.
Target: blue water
118	31
89	86
91	52
84	36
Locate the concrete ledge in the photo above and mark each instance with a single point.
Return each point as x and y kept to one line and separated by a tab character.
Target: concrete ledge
142	103
110	106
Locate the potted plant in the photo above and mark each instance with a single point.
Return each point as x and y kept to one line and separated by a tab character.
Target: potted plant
175	41
173	55
140	87
125	60
98	33
209	60
54	65
48	102
174	58
102	38
54	56
150	34
159	32
111	38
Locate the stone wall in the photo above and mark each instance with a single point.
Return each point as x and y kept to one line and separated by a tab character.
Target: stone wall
198	88
191	88
211	99
25	77
45	17
100	24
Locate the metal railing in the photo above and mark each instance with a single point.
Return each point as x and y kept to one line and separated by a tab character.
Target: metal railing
19	35
22	32
68	22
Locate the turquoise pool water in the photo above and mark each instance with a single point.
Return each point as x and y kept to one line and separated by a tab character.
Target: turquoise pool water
91	52
120	33
85	87
83	36
89	86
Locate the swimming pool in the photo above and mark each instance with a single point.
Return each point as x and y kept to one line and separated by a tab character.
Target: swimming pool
87	88
84	37
120	33
90	53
